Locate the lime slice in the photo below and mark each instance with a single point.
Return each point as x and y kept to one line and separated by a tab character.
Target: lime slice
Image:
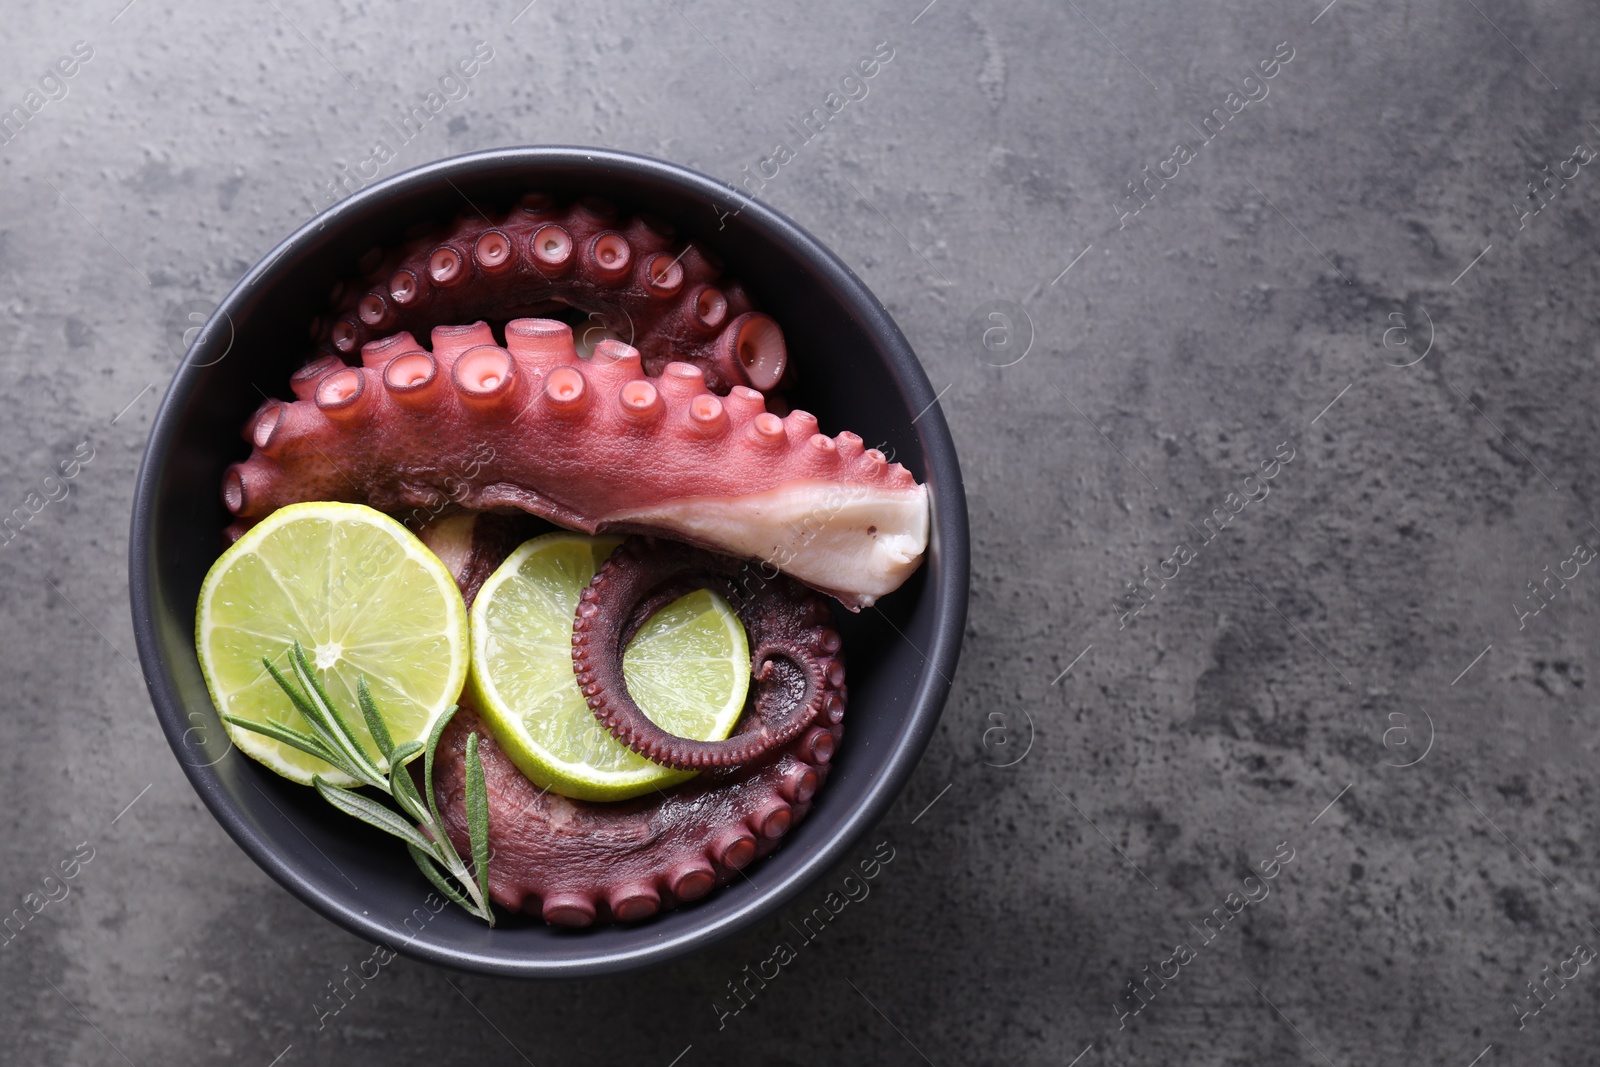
688	669
362	595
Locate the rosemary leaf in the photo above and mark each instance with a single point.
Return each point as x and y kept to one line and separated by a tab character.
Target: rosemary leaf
325	730
318	697
375	724
401	753
477	815
343	737
371	812
430	868
427	761
337	745
404	791
290	736
302	705
445	848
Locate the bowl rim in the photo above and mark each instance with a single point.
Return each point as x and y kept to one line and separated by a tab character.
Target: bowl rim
948	584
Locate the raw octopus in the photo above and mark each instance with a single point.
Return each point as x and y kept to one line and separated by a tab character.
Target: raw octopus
668	436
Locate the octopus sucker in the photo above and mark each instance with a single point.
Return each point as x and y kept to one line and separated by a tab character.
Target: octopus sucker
593	445
576	863
447	387
795	662
304	381
668	298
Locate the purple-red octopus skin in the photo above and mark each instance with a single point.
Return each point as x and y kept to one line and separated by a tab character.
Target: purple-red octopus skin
672	425
592	445
795	660
577	863
631	277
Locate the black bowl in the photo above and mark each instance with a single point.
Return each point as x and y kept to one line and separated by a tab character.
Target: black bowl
856	372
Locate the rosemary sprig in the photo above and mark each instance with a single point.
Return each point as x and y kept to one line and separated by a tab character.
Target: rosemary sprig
332	741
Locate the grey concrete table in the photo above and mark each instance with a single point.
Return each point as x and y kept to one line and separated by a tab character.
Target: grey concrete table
1273	395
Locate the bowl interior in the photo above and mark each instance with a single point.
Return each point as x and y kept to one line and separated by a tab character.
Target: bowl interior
856	372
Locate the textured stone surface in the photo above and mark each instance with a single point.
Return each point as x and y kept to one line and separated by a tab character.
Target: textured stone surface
1173	357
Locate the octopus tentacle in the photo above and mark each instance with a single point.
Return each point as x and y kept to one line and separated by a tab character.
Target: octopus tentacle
592	445
492	418
641	285
577	863
795	659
